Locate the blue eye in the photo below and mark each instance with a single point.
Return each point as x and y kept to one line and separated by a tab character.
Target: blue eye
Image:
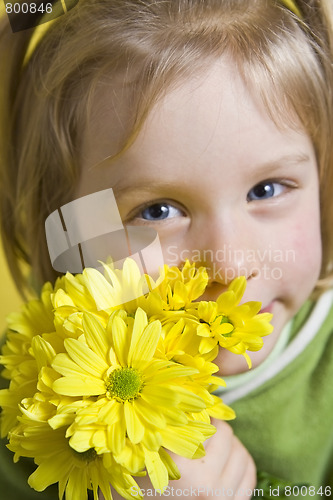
160	211
265	190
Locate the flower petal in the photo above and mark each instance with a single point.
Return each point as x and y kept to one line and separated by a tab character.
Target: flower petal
116	435
64	365
43	351
183	441
134	427
203	330
120	338
152	395
172	468
99	288
189	401
175	416
76	386
110	412
149	413
237	286
144	343
221	410
140	323
95	335
81	440
78	292
206	345
226	302
85	357
157	470
152	440
168	372
77	484
49	472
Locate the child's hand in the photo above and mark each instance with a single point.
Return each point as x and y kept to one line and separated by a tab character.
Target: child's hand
226	471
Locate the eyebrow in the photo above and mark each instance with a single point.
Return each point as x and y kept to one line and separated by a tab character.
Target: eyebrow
260	169
291	159
147	185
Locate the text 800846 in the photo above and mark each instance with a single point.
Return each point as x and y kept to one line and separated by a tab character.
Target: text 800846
25	8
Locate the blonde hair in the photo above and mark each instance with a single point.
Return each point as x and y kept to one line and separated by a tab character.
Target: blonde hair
156	43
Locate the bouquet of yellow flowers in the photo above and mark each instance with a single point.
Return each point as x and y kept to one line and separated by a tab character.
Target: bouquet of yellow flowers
102	388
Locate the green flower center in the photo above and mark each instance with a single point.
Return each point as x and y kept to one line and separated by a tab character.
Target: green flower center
124	384
86	456
225	319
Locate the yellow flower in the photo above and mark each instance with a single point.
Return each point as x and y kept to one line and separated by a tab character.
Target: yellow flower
117	288
130	394
235	327
180	287
181	344
100	295
36	318
108	373
59	463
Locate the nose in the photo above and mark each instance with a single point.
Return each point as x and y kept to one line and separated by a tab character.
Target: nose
226	263
227	248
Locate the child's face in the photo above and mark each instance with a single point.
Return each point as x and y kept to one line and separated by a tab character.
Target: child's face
212	173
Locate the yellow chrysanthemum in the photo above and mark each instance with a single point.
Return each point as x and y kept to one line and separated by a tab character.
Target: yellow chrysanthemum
131	394
101	294
180	287
117	287
235	327
36	318
181	344
59	463
109	373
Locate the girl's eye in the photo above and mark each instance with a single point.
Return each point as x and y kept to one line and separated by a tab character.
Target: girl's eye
160	211
265	190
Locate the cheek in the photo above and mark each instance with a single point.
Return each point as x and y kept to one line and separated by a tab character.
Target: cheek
304	248
308	253
308	244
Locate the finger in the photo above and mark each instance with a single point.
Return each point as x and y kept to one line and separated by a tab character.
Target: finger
217	448
248	483
220	445
239	474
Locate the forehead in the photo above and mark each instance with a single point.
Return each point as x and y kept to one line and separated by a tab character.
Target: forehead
203	112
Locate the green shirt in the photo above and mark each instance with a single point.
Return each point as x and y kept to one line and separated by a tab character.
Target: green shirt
285	418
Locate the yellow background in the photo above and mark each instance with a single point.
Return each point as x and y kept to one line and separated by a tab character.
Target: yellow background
10	299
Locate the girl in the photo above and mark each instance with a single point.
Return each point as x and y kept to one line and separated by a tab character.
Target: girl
212	123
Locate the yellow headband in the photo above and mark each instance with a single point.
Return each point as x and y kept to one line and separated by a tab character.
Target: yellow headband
37	36
58	8
291	5
42	29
